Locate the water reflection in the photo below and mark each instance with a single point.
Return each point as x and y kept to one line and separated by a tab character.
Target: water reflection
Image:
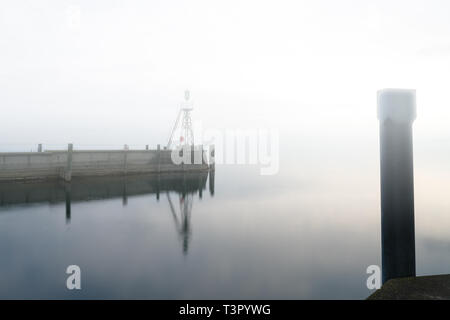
182	219
211	182
184	185
68	202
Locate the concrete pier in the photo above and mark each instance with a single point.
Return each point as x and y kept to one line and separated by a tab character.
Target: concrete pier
66	164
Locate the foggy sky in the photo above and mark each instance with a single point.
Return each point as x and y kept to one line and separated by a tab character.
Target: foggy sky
116	72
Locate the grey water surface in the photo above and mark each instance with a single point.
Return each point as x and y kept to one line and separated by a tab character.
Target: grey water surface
233	234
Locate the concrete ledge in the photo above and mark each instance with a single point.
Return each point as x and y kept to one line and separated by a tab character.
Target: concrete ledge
68	164
415	288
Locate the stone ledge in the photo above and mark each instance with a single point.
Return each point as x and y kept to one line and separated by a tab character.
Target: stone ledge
415	288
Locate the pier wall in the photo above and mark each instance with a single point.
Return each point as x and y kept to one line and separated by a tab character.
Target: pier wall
79	163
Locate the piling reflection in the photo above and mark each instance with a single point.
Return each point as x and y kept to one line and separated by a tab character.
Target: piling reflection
211	182
68	202
182	219
180	190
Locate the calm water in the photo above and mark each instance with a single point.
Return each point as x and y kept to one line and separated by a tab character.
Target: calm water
308	232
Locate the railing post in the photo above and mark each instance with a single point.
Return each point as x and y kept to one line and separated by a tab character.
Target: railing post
396	112
40	147
212	159
68	171
159	160
125	158
199	157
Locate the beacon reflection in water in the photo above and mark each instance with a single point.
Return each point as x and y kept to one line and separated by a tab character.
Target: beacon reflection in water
176	190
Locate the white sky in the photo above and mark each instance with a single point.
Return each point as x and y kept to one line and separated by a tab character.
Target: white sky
116	72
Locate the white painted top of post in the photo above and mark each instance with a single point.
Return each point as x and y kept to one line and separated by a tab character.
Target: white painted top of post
397	105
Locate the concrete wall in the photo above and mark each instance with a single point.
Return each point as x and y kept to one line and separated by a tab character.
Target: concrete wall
55	164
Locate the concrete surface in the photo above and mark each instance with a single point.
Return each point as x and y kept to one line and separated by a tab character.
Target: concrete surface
414	288
55	164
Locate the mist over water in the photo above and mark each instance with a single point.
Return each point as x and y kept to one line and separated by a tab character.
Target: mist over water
308	232
105	74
